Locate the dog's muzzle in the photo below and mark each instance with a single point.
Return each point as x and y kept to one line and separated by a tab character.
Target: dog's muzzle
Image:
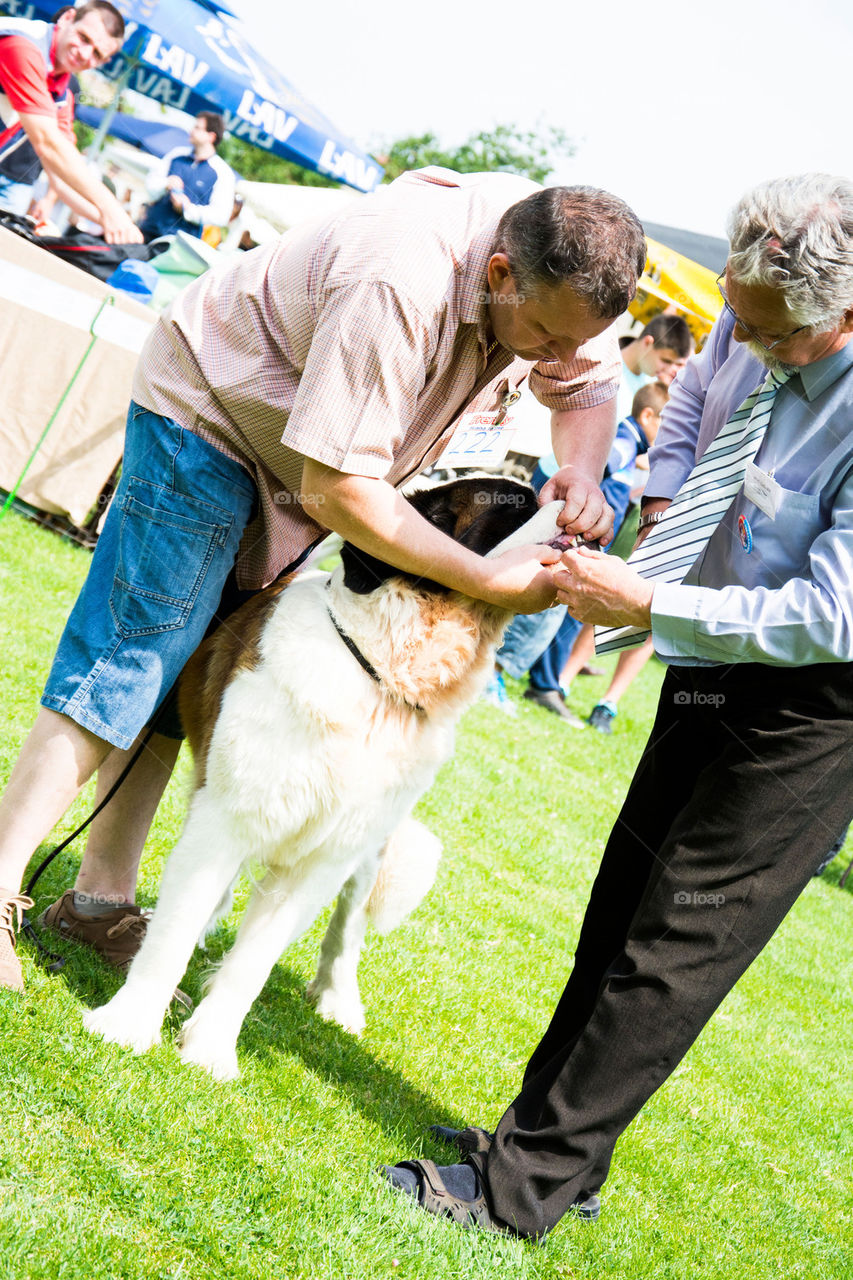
571	542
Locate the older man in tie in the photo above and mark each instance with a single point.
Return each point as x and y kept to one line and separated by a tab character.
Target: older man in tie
747	777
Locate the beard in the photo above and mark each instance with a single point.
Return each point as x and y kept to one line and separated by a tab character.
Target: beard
768	359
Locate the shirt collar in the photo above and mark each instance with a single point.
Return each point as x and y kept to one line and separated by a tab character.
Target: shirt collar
474	285
56	79
817	377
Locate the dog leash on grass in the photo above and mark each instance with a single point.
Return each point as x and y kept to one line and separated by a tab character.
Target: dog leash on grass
52	962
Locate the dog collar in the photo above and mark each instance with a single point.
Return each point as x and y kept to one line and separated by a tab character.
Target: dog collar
362	661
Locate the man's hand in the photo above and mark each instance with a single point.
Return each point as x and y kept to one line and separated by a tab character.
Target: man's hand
603	590
585	510
174	183
117	226
519	580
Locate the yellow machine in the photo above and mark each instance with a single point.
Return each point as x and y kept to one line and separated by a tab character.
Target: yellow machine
672	282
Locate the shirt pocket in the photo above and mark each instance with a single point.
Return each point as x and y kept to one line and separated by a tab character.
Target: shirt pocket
166	544
782	545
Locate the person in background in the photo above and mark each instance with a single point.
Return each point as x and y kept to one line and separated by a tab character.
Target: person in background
541	645
658	354
192	187
634	435
37	60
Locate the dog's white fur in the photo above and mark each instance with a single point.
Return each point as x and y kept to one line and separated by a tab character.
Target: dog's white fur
312	771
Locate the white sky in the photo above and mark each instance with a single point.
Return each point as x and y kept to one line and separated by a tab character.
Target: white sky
677	108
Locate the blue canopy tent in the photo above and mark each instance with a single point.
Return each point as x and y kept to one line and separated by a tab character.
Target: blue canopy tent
154	136
196	57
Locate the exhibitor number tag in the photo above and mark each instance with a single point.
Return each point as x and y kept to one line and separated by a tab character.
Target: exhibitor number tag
480	440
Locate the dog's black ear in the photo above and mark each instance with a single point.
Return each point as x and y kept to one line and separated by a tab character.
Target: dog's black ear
363	573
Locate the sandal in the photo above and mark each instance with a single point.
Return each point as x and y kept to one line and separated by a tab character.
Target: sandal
473	1141
433	1196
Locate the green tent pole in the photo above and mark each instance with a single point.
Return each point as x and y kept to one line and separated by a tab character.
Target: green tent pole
107	302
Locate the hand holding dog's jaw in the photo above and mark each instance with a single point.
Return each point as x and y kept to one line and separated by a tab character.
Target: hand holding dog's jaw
603	590
585	508
520	580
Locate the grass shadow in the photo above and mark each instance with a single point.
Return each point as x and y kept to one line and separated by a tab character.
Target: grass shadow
280	1024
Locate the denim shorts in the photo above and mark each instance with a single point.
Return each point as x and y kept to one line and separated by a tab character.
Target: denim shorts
168	543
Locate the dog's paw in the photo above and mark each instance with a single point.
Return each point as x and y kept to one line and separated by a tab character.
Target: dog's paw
123	1026
209	1051
346	1010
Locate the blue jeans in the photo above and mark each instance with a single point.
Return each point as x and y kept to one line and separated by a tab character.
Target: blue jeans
15	196
168	543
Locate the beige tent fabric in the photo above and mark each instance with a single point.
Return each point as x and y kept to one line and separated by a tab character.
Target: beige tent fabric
47	311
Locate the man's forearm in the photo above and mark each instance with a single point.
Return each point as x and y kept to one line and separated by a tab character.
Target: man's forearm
582	437
374	517
61	160
74	200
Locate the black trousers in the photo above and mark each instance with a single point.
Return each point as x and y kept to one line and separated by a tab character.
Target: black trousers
746	780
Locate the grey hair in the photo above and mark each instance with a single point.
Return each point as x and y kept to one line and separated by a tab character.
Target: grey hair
796	235
576	235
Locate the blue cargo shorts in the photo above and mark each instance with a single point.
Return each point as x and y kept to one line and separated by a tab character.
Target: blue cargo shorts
167	546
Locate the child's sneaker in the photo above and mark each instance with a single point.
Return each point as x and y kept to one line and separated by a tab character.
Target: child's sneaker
496	695
602	716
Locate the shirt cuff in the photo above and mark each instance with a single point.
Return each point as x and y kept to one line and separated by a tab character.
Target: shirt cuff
675	609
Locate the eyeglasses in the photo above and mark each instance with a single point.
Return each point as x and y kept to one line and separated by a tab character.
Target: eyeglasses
768	346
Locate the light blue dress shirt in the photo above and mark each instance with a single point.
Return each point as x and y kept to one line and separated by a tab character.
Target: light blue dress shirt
787	601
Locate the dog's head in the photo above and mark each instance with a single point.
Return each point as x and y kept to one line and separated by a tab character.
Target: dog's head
487	514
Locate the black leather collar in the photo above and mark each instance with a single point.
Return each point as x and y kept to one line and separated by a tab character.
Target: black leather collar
362	661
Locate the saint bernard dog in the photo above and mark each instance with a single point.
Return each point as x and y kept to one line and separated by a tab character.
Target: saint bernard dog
318	716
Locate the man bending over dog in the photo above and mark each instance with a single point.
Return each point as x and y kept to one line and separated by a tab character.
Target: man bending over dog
291	395
743	579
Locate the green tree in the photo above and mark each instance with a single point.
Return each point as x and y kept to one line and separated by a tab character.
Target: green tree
530	153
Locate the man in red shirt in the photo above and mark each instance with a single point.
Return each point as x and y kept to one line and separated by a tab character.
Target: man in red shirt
37	60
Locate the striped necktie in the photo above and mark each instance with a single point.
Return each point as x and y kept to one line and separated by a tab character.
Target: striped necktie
675	543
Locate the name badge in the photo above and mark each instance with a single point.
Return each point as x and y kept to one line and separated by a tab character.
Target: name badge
762	490
480	440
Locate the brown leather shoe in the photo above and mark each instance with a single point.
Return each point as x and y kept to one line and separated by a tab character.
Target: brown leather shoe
116	935
12	907
552	700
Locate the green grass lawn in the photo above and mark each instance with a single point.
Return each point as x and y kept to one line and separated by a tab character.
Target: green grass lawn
115	1166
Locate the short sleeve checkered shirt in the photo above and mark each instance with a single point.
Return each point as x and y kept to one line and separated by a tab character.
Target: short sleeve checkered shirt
357	342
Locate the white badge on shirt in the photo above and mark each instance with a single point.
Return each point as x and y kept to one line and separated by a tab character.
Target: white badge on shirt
761	489
480	440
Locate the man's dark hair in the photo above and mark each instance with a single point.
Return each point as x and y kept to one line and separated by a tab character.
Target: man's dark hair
576	235
214	124
109	14
671	332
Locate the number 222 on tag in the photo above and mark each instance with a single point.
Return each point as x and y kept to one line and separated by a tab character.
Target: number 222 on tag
480	440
